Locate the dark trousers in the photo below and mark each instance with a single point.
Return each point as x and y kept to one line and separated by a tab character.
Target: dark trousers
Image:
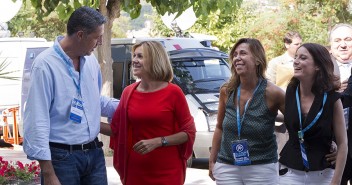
85	167
347	173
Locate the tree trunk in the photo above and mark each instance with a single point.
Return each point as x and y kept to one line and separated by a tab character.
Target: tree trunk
110	11
104	57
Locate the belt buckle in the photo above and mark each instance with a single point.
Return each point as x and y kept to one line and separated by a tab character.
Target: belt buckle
82	146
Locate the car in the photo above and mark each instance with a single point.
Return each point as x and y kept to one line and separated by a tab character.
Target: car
199	71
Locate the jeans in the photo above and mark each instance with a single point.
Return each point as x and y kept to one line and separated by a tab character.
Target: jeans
260	174
79	167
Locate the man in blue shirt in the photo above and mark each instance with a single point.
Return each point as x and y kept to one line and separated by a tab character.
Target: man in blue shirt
62	113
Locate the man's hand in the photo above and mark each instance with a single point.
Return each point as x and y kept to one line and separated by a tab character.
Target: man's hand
51	179
331	158
105	129
343	85
48	173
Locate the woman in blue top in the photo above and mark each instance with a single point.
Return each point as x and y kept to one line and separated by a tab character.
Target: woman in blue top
244	149
313	117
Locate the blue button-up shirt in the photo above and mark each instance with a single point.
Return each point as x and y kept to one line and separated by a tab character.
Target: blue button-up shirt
52	89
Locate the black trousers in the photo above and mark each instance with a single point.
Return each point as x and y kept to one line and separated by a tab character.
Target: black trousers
347	173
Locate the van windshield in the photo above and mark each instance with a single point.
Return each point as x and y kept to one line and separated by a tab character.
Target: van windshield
201	76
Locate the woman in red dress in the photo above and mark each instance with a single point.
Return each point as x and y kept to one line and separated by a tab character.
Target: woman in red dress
152	130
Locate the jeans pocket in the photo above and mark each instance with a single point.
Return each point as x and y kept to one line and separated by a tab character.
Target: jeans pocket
327	173
216	168
59	154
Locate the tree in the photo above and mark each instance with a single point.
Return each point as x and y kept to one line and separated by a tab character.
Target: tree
111	10
269	23
26	22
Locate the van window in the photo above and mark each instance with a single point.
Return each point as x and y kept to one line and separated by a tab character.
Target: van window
121	55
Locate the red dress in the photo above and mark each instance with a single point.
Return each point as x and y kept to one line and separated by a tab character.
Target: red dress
150	115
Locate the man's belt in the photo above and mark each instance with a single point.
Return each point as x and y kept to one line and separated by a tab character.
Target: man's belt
88	146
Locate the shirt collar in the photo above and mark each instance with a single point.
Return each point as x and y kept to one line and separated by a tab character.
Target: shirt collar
344	64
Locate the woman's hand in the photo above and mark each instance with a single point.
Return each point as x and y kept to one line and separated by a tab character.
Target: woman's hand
211	166
331	157
146	146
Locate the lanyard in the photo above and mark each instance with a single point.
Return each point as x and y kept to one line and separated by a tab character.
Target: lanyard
68	65
301	132
239	122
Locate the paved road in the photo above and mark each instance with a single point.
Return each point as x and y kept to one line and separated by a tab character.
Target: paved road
193	176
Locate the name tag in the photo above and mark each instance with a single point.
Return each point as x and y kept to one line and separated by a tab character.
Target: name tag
76	112
240	152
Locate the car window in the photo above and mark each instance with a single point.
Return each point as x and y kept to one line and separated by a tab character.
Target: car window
201	76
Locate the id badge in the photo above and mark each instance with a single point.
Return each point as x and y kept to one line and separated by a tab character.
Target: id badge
76	112
240	152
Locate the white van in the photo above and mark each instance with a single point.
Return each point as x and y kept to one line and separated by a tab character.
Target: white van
19	54
199	71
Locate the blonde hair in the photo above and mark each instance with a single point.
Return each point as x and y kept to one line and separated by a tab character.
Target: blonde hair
156	60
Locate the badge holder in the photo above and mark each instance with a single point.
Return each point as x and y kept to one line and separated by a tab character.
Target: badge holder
76	112
240	152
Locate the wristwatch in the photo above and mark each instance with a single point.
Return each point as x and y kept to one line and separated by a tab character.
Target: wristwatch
164	142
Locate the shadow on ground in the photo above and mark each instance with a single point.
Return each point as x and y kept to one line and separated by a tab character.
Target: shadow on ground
3	144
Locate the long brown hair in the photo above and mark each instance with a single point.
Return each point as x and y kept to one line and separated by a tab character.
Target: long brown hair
324	80
257	50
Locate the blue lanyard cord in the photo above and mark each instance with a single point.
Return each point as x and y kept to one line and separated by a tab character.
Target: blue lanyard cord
68	65
239	122
302	131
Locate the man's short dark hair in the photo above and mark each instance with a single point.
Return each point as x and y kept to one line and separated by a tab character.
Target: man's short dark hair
290	35
85	19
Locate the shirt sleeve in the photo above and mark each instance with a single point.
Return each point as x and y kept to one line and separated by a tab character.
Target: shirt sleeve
36	119
185	122
108	107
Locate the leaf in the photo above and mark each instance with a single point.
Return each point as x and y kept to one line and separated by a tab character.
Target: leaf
4	75
136	11
61	11
76	4
36	3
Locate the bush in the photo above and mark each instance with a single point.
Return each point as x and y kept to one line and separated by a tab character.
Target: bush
17	171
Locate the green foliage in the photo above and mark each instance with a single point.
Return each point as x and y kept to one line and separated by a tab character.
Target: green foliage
133	7
159	29
6	74
64	8
2	180
311	18
51	26
226	27
12	172
120	27
26	21
138	23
